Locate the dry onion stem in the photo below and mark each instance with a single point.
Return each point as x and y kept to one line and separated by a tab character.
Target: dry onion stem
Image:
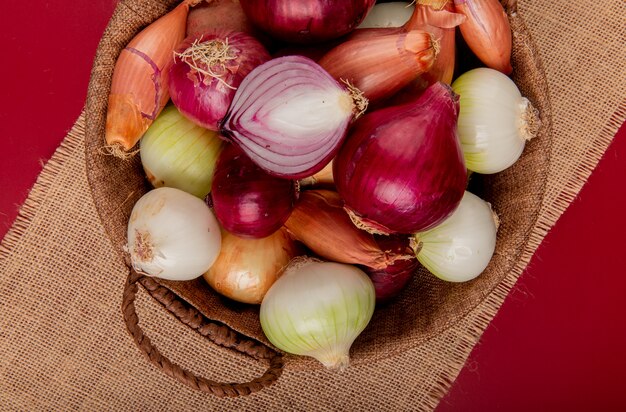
358	98
139	85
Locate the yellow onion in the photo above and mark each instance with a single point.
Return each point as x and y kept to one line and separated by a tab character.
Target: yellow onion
246	268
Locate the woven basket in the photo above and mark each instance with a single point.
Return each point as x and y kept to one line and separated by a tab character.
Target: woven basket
424	310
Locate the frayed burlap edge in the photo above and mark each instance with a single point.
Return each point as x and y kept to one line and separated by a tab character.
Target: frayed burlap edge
38	192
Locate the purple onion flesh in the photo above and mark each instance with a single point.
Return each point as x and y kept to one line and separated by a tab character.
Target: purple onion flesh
289	116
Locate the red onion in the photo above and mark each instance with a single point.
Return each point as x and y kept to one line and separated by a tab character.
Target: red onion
290	116
208	69
392	279
402	169
247	201
308	21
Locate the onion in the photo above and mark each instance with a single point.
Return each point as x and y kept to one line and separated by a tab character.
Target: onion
393	14
217	14
247	201
460	248
319	221
401	169
308	21
390	280
290	116
441	21
177	153
381	65
139	84
246	268
487	32
318	309
495	121
172	235
208	69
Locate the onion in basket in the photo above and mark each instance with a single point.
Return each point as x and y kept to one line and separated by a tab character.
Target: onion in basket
318	309
172	235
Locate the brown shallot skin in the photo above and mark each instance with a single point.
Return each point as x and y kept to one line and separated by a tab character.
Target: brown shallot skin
319	221
379	65
139	87
441	23
487	32
217	14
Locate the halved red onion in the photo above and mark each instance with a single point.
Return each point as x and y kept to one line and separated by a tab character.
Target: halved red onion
208	69
290	116
402	169
247	201
306	21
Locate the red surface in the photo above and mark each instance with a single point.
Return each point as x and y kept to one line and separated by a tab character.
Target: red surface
558	342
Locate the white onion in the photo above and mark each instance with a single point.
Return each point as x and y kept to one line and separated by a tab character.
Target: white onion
393	14
318	309
172	235
460	248
495	120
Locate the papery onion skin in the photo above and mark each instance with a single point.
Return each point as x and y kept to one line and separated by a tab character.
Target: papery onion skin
177	153
393	278
310	21
290	116
246	268
442	24
247	201
461	247
401	170
320	223
495	120
487	32
202	97
139	88
172	235
318	309
381	65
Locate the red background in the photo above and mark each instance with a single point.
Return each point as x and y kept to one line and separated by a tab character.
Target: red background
559	340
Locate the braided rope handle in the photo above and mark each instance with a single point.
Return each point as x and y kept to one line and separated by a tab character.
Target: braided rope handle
219	334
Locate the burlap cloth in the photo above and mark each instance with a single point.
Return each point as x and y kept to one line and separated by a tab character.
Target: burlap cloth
63	343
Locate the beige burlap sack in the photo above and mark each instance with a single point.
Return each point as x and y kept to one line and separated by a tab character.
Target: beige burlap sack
63	343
